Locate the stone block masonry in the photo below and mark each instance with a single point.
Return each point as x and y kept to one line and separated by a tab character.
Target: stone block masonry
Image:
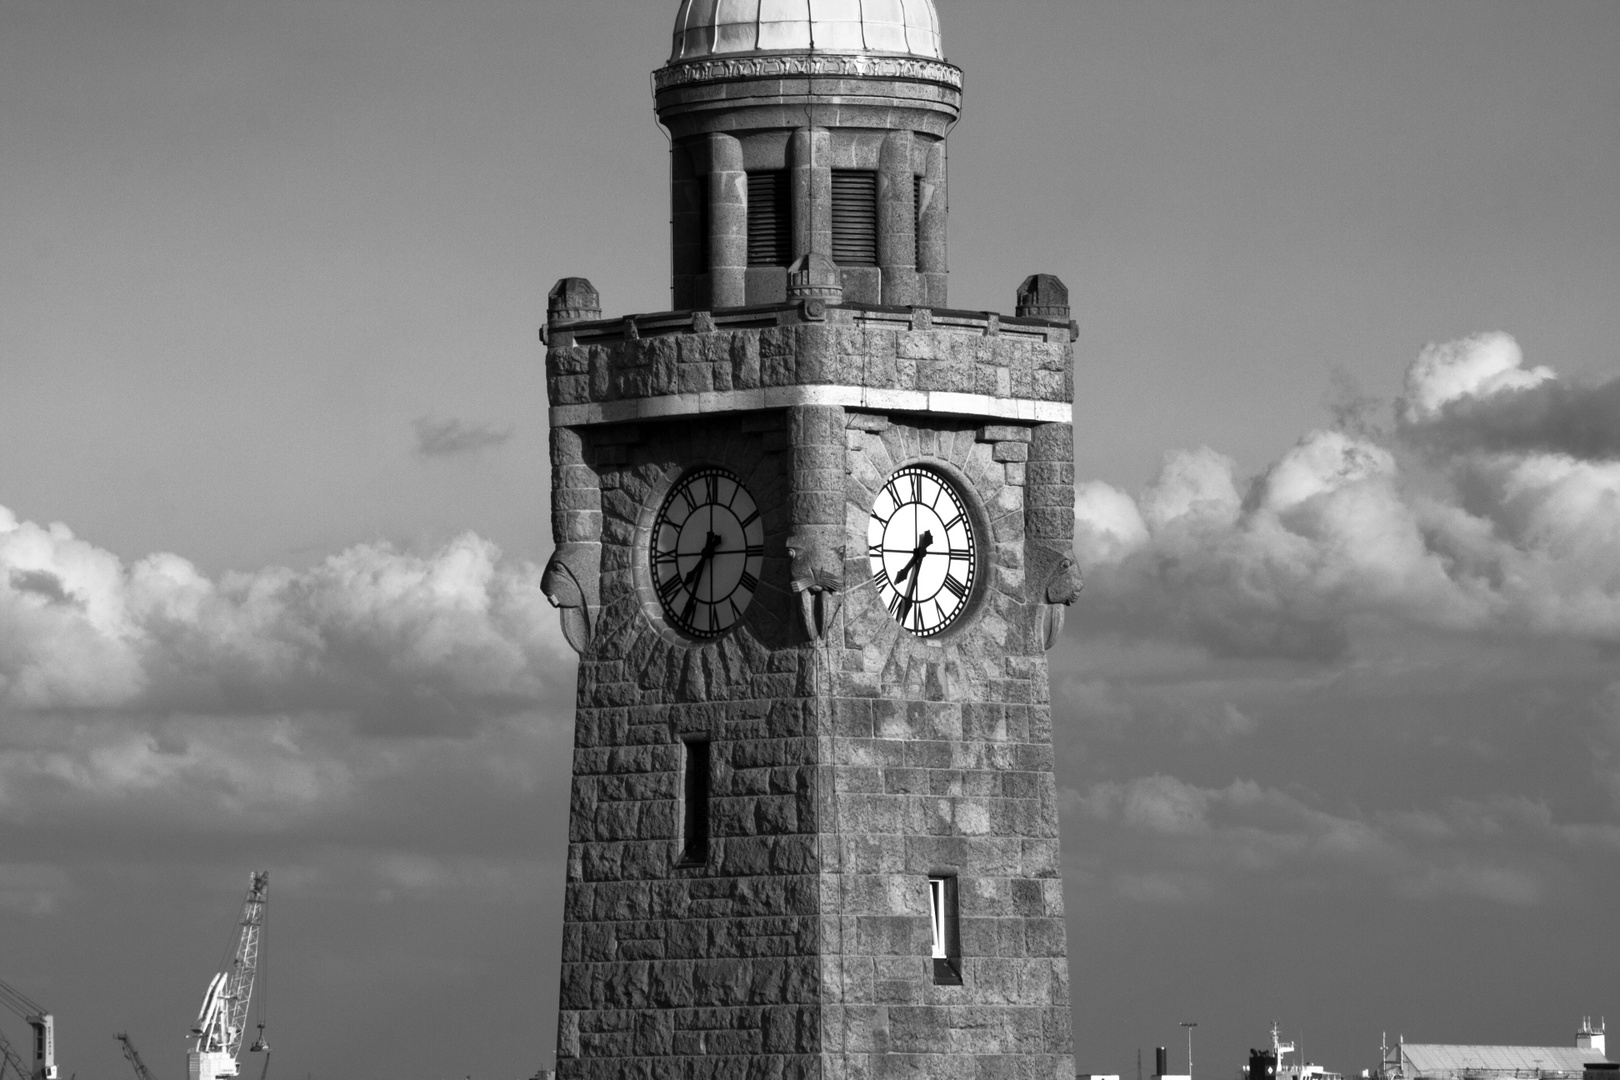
814	844
955	363
850	761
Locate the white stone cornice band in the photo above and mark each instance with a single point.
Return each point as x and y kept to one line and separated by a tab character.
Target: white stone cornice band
855	65
944	402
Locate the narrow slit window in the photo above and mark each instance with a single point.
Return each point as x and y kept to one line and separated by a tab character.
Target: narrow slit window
770	219
916	221
947	948
707	255
694	801
854	217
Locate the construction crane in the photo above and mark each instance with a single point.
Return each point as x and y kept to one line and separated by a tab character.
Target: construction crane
217	1034
134	1056
44	1036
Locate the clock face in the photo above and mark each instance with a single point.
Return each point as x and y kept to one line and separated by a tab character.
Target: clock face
707	546
921	548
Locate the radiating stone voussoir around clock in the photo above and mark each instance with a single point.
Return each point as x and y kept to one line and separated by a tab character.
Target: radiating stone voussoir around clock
968	658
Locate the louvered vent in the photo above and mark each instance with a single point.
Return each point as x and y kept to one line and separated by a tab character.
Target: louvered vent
854	217
770	219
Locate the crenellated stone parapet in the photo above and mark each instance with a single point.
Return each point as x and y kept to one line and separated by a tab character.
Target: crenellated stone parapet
954	363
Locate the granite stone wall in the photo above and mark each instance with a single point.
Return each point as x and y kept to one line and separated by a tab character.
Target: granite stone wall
920	352
850	760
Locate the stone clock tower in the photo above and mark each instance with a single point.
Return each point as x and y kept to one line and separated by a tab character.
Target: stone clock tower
813	541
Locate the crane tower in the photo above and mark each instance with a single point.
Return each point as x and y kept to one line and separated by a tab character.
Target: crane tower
44	1025
223	1017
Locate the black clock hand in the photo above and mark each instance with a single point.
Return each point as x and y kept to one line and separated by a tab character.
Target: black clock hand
704	556
695	574
909	600
916	557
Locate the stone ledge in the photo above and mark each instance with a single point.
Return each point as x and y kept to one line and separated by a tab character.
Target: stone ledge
1026	410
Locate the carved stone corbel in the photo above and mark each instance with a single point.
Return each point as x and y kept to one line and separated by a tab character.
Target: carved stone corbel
818	579
572	582
1055	573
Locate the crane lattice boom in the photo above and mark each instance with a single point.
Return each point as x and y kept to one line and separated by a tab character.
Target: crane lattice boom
222	1020
134	1057
8	1056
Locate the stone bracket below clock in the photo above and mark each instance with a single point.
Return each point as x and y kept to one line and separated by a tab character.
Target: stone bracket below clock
942	402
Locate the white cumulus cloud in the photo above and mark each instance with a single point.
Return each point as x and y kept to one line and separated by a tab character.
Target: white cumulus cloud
154	694
1338	530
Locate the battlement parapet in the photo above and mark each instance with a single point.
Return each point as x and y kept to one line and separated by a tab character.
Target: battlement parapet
885	359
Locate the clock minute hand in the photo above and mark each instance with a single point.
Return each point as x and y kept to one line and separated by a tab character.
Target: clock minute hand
696	572
909	600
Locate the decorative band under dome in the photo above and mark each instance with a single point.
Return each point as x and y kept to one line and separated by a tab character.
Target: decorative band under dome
807	65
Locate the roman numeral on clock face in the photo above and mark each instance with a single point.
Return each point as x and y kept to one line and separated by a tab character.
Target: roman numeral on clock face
670	585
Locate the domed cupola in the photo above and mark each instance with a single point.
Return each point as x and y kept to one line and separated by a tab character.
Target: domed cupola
808	134
727	27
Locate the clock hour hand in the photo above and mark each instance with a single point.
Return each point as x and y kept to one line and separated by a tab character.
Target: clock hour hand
916	557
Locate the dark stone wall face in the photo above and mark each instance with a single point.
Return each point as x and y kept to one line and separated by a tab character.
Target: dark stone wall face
712	967
847	768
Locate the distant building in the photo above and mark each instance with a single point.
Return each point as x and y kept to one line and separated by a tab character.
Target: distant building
1161	1066
1446	1061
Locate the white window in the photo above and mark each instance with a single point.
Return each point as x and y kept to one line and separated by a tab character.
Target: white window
946	946
936	900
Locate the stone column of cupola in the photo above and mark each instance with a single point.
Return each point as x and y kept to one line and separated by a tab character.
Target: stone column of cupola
689	223
810	159
897	219
728	222
931	225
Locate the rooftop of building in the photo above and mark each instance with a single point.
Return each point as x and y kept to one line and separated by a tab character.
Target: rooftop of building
1447	1059
710	28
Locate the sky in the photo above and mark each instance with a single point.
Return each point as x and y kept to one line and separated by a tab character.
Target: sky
1339	710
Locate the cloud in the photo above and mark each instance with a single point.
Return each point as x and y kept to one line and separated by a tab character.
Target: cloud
451	437
1477	395
33	888
404	641
1338	532
134	695
1606	741
1163	839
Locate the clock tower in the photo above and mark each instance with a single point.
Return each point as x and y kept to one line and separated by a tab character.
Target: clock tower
813	537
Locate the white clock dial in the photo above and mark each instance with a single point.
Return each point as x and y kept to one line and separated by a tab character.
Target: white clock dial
708	543
922	550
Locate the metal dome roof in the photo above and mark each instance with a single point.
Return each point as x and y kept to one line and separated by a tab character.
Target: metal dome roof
728	27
